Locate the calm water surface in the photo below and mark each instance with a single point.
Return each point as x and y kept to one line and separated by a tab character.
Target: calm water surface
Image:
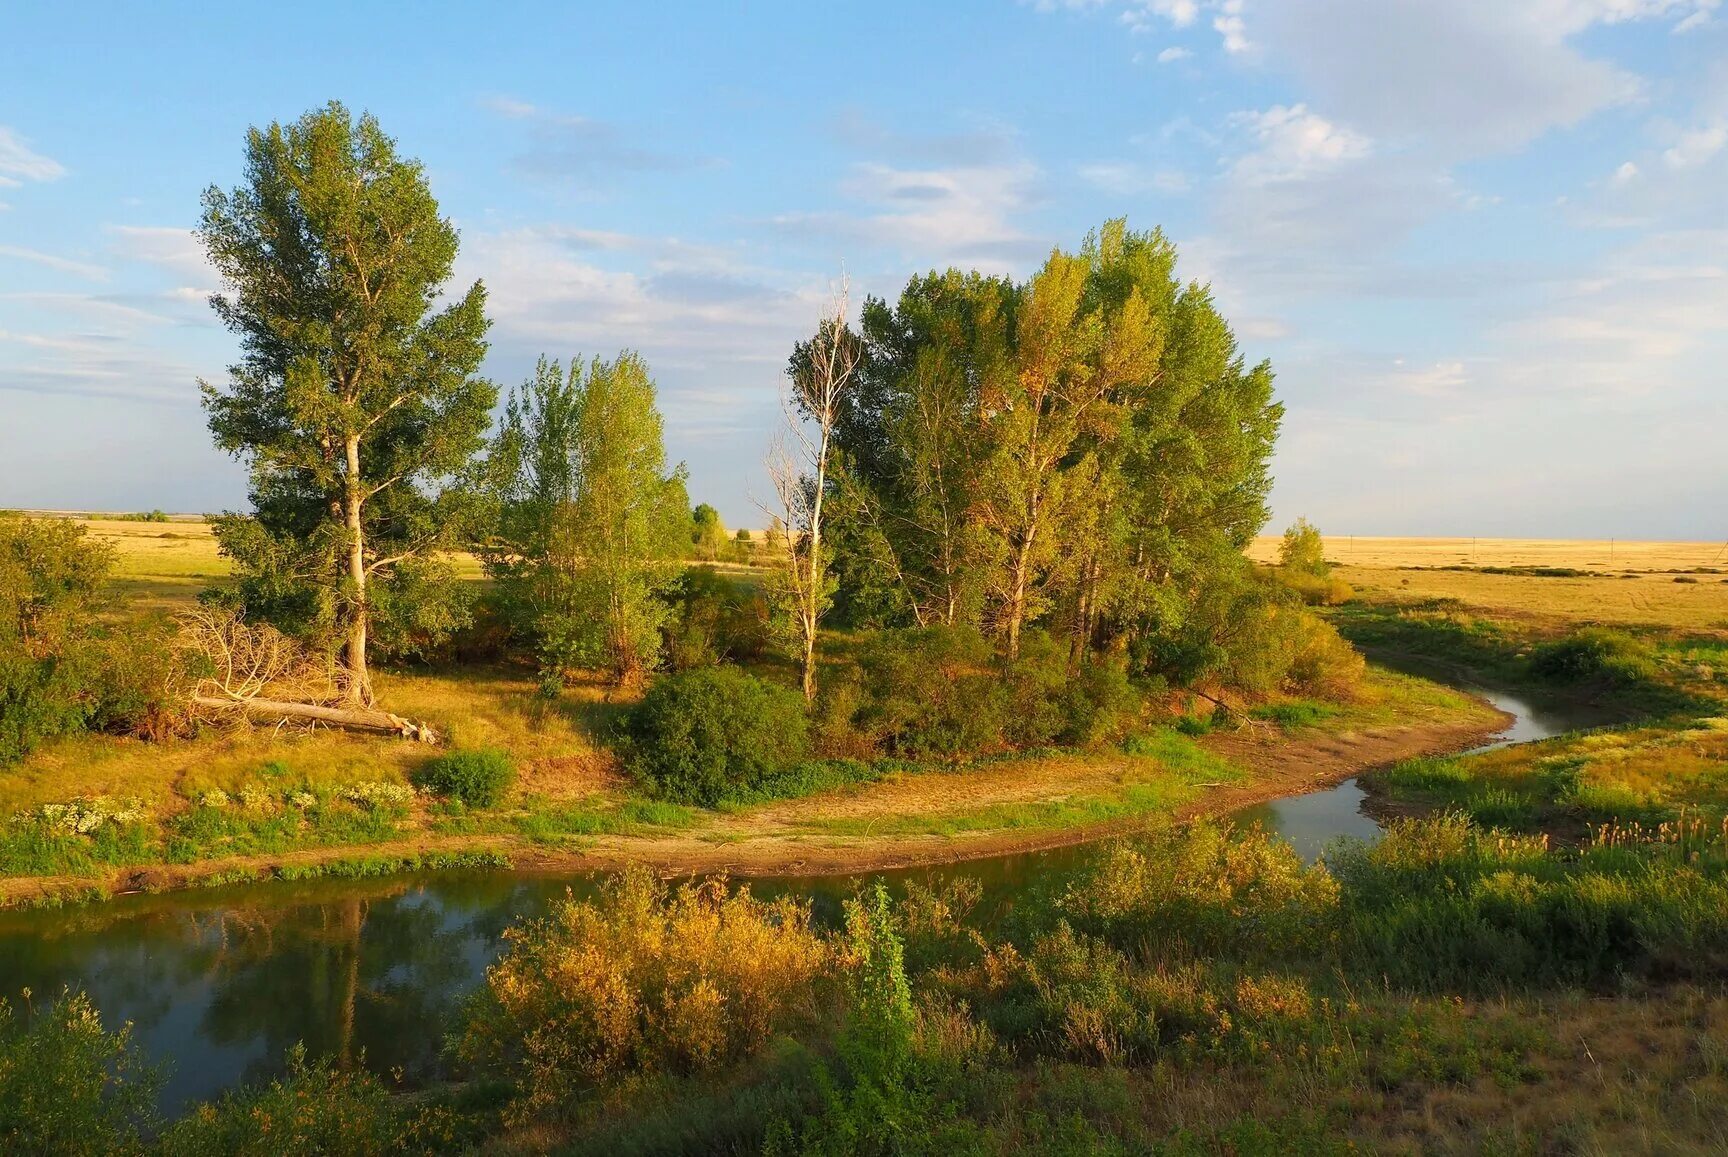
1313	820
220	982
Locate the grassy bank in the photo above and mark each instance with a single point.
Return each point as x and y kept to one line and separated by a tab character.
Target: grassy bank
106	813
1195	990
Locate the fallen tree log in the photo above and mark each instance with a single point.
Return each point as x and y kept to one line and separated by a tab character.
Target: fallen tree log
356	719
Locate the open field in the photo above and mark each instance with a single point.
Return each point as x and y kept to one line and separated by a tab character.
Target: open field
1664	584
1576	553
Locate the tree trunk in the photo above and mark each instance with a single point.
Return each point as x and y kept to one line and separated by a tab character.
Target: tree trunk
1017	582
359	687
359	719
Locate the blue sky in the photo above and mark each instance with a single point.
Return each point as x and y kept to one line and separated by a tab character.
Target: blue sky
1484	242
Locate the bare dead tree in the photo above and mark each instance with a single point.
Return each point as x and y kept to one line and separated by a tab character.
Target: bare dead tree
238	670
823	373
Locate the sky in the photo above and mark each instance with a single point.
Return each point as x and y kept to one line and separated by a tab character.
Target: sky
1484	243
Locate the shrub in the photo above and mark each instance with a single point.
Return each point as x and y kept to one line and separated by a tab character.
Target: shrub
1595	654
68	1086
699	735
50	579
1201	888
714	619
642	981
478	778
315	1108
1303	551
933	691
1316	590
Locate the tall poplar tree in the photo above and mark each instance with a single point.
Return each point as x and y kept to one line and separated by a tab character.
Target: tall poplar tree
355	403
592	529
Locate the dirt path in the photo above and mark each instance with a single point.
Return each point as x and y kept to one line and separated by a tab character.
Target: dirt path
777	840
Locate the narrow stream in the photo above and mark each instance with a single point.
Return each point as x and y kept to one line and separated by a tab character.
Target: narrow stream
1313	820
220	982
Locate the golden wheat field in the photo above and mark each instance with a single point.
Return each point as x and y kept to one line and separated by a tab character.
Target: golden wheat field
1628	583
162	564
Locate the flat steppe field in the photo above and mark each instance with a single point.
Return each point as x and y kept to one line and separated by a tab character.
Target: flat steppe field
1671	584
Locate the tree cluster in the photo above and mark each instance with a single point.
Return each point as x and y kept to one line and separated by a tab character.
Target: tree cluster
1084	452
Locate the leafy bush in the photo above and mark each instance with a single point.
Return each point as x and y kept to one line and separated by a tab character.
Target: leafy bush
316	1108
69	1086
1198	889
942	691
932	691
1316	590
50	579
714	619
478	778
1247	632
642	981
1303	551
1595	654
698	736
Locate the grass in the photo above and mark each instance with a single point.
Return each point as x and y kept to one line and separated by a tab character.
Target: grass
1157	772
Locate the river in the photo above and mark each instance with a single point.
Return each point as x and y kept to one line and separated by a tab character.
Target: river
220	982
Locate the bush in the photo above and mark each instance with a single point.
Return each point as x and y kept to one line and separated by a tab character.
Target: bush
700	735
643	981
478	778
50	658
1595	655
933	691
714	619
68	1086
314	1109
1315	590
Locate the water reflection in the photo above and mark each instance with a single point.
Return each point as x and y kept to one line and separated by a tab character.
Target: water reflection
222	981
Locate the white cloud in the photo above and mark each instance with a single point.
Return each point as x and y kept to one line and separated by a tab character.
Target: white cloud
82	269
1172	54
1695	146
1295	144
1231	28
1126	179
1625	174
175	250
961	214
19	162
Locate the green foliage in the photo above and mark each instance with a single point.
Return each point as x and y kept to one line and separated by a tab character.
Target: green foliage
590	526
314	1109
643	981
714	619
1595	654
698	736
63	668
478	778
1086	449
69	1087
1246	633
1303	551
708	540
942	691
355	403
50	577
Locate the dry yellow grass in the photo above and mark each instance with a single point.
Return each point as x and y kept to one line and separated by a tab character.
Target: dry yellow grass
1646	600
1577	553
1408	568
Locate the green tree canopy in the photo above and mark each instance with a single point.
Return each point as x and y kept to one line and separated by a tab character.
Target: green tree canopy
1303	549
1087	447
355	403
591	526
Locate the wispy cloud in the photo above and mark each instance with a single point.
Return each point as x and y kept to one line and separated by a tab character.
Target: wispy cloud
20	163
583	150
84	269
